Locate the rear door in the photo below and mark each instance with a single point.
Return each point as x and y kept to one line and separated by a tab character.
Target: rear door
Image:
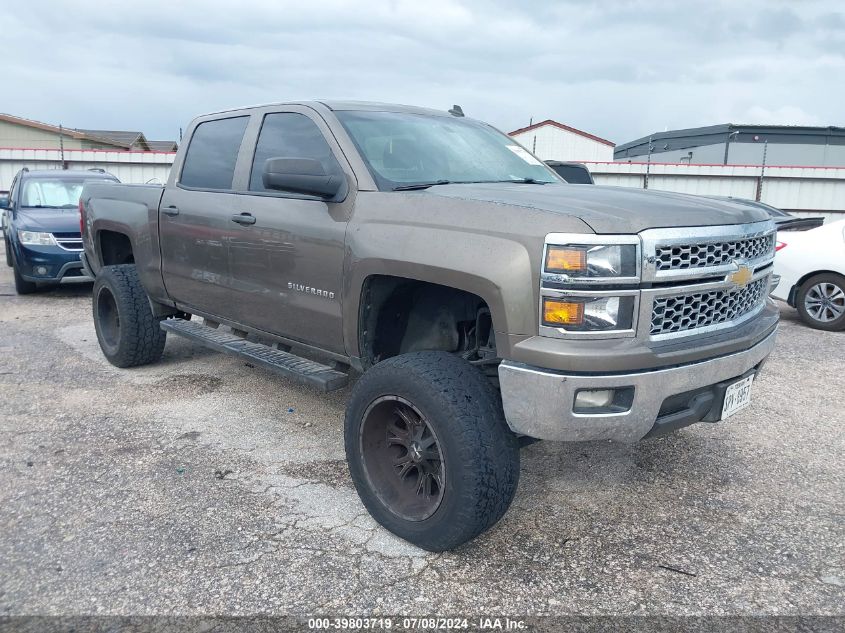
287	267
195	220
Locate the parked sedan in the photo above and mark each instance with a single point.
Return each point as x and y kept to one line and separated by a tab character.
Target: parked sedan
811	265
573	173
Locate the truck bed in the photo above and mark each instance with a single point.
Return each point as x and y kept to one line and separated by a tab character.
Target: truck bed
130	210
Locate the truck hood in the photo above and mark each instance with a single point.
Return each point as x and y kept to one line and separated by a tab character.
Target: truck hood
608	209
48	220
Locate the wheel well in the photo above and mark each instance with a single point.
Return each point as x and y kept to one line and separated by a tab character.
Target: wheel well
792	298
400	315
115	248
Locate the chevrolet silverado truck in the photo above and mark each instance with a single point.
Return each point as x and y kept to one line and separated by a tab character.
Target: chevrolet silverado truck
479	301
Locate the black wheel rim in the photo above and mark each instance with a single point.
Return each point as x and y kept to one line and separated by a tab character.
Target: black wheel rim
108	318
402	460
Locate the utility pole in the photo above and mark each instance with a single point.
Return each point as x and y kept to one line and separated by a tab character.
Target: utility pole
648	164
728	144
759	196
62	146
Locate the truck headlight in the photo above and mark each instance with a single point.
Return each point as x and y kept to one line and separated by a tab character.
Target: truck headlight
578	313
592	261
34	238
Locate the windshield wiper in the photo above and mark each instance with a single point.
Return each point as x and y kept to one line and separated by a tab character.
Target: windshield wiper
40	206
422	185
528	181
426	185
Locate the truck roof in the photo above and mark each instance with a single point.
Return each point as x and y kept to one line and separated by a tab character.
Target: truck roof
371	106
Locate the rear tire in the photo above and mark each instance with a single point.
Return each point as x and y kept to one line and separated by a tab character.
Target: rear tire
8	248
127	331
821	302
428	449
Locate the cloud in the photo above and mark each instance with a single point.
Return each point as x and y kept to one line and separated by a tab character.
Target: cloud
620	69
783	115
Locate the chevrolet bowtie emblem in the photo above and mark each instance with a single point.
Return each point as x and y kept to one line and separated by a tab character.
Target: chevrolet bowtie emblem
741	277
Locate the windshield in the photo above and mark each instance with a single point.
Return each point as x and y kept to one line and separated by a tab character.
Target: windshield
52	193
403	149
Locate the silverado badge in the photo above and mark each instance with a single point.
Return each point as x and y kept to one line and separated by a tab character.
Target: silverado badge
741	277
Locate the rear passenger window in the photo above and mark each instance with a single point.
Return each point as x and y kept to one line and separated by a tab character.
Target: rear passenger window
290	135
212	154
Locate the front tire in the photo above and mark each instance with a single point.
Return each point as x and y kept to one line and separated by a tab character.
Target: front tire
821	302
22	286
428	449
127	331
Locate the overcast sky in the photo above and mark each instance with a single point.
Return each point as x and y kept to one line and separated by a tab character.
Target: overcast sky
618	69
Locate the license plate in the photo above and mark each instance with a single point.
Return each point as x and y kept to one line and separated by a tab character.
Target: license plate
737	397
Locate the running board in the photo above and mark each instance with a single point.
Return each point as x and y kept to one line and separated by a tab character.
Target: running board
308	372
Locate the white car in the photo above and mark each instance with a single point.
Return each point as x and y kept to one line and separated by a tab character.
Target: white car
811	265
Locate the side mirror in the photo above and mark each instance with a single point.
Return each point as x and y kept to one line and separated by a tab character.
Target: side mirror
300	175
4	201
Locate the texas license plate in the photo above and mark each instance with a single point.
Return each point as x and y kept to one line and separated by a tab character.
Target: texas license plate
737	396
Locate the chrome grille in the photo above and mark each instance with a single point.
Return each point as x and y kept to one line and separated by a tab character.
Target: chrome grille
680	313
69	241
704	255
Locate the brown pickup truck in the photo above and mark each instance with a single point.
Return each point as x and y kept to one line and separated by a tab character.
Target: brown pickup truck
480	301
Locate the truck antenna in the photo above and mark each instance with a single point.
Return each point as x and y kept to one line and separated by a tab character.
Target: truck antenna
456	111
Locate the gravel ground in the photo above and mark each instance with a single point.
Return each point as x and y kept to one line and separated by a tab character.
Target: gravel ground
201	485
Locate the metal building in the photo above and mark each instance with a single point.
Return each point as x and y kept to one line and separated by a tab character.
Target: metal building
551	140
732	144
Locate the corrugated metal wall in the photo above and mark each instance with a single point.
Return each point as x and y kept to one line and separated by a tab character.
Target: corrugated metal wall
810	190
805	190
130	167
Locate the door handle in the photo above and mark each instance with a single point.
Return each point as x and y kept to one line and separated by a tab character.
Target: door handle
171	211
244	218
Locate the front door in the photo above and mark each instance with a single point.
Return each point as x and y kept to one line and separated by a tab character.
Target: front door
287	266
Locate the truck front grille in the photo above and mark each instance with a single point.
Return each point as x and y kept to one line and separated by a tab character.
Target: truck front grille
705	255
679	313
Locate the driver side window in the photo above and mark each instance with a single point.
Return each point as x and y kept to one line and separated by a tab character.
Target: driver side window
290	135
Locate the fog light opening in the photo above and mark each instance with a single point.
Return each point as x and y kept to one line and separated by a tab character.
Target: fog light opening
40	270
592	401
593	398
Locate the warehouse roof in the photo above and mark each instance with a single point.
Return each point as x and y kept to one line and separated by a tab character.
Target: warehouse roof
717	134
69	132
122	137
119	139
561	126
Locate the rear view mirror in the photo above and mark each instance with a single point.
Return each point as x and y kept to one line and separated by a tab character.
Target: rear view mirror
300	175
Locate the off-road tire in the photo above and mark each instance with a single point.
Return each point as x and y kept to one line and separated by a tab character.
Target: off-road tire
480	454
801	295
127	331
22	286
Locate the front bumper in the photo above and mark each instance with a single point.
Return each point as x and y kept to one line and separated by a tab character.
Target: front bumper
540	403
56	262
